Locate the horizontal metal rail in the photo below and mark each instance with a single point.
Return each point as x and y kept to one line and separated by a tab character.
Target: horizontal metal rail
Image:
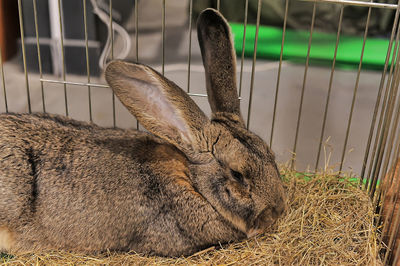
356	3
100	85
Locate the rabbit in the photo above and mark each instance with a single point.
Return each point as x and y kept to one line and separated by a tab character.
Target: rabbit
187	183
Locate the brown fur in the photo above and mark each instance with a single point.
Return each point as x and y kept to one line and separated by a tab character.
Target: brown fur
391	204
6	239
190	183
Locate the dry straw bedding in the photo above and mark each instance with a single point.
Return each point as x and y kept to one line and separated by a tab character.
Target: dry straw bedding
329	222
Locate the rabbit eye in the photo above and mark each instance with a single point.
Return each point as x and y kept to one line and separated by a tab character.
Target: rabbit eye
237	175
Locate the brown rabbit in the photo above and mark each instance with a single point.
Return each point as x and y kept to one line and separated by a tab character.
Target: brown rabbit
190	183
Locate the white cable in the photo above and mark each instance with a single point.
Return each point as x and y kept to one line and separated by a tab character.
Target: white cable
126	45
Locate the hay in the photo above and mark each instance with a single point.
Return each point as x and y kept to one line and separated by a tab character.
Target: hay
329	222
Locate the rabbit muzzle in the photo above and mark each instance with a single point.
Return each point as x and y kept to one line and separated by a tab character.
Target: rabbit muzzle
266	219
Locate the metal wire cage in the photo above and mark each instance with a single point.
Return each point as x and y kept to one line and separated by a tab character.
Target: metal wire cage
291	106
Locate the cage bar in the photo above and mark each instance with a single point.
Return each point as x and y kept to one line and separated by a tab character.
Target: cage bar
21	27
329	87
112	57
355	91
383	146
278	79
378	99
385	128
137	40
303	86
190	44
253	63
356	3
246	7
87	61
63	57
137	30
38	52
75	83
3	83
382	112
163	38
393	132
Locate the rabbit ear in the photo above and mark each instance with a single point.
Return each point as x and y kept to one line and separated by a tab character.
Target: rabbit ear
158	104
219	61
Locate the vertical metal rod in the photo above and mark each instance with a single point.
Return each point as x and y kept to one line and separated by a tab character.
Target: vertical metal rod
112	57
21	27
355	91
137	30
380	131
383	108
378	98
304	86
63	57
254	63
388	152
111	28
190	44
246	8
383	191
137	40
3	82
39	56
87	60
163	37
329	87
393	131
279	73
385	129
218	4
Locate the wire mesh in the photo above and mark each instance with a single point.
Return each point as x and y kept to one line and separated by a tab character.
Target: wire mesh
382	146
378	98
355	90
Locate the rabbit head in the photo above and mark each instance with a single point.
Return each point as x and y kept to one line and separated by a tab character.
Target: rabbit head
232	168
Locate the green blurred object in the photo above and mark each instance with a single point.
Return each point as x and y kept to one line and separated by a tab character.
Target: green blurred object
4	257
351	180
322	47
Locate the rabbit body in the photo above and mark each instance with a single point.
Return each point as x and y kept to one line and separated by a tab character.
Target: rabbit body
189	183
68	184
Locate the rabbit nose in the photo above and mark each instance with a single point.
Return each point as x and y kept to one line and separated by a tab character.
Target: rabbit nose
254	232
